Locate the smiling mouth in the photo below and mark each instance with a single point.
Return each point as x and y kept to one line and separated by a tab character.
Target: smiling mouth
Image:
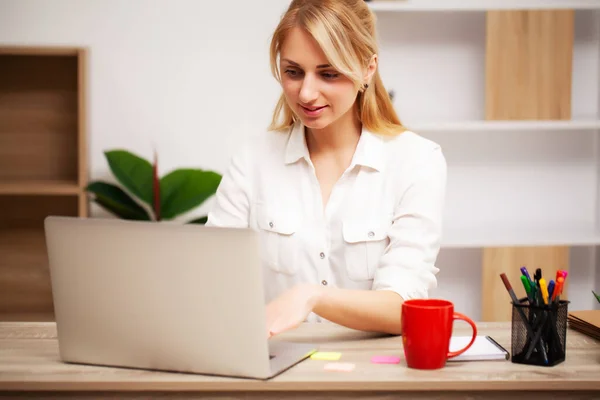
312	108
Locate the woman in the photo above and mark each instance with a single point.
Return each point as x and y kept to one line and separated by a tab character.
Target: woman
348	203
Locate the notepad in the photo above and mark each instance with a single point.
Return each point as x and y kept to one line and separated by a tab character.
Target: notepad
586	322
484	348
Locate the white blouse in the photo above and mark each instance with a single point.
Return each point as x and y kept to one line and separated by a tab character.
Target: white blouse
380	229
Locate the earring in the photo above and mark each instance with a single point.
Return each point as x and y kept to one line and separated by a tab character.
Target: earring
366	86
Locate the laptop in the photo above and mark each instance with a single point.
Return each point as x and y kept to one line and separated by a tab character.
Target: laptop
163	296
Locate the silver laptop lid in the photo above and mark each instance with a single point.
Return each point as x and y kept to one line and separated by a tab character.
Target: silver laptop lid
158	295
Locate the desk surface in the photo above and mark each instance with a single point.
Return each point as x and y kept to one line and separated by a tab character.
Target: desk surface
29	361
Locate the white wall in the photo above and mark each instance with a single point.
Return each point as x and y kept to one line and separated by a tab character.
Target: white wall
191	77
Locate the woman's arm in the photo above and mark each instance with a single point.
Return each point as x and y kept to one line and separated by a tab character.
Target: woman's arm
366	310
232	200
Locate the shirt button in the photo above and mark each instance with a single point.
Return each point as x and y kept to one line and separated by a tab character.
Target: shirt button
371	234
322	255
271	224
324	282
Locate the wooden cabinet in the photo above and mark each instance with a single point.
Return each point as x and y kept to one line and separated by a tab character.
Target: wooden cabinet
43	167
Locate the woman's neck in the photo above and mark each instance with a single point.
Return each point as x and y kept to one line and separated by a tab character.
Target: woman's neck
338	137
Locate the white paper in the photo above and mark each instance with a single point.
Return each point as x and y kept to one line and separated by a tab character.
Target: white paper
482	349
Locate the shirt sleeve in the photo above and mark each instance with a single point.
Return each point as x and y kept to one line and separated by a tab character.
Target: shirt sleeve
232	200
407	266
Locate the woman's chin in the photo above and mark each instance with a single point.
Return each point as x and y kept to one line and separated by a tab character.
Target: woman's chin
318	123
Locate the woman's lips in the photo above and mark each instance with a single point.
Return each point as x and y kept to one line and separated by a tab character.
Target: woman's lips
312	111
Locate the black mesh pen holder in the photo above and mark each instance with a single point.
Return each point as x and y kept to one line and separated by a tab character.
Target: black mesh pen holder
539	333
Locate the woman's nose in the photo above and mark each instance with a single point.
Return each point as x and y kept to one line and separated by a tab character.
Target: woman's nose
308	91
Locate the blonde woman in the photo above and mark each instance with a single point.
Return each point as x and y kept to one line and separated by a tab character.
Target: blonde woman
348	204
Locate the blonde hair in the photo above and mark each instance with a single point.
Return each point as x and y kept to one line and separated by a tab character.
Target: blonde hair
345	31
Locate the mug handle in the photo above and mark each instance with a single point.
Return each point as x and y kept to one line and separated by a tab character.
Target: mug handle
470	321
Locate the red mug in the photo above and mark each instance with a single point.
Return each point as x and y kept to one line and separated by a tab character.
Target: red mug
426	331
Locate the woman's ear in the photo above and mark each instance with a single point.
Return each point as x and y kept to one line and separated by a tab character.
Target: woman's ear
371	68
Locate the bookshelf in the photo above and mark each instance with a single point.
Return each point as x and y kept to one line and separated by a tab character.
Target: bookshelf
43	167
523	166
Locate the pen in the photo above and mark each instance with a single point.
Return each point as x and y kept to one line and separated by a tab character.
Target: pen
564	273
525	273
544	289
534	292
550	288
558	288
527	287
510	290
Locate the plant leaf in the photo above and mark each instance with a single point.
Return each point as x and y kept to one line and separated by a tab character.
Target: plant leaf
597	296
117	201
185	189
133	172
201	220
156	189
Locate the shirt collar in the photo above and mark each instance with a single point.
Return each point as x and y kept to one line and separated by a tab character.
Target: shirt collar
296	146
369	151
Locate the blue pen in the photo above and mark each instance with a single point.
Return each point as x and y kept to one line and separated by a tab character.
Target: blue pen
550	289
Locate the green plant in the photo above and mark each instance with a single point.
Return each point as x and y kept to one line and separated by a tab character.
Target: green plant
597	296
164	198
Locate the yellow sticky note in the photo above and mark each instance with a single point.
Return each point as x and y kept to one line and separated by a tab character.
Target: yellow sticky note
326	355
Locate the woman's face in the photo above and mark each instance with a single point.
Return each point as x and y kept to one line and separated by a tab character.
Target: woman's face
318	94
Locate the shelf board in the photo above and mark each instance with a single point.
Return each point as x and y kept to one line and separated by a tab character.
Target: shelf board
38	50
505	126
498	237
27	317
39	188
480	5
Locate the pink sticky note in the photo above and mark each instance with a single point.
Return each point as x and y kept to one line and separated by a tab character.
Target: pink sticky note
343	367
385	360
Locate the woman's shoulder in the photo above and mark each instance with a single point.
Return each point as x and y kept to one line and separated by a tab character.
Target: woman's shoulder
263	143
409	146
409	153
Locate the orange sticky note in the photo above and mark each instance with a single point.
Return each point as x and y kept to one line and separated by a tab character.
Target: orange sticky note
342	367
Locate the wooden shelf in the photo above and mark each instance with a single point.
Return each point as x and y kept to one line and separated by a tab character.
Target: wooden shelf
43	167
480	5
40	188
39	50
507	126
24	276
506	237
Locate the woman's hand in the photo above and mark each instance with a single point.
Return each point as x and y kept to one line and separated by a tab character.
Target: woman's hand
291	308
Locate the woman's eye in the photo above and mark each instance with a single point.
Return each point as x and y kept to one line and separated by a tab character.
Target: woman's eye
330	75
292	73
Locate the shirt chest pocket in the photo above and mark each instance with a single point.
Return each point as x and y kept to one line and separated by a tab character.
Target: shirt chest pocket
364	244
279	242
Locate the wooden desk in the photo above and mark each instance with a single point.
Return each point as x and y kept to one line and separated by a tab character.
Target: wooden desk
29	367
